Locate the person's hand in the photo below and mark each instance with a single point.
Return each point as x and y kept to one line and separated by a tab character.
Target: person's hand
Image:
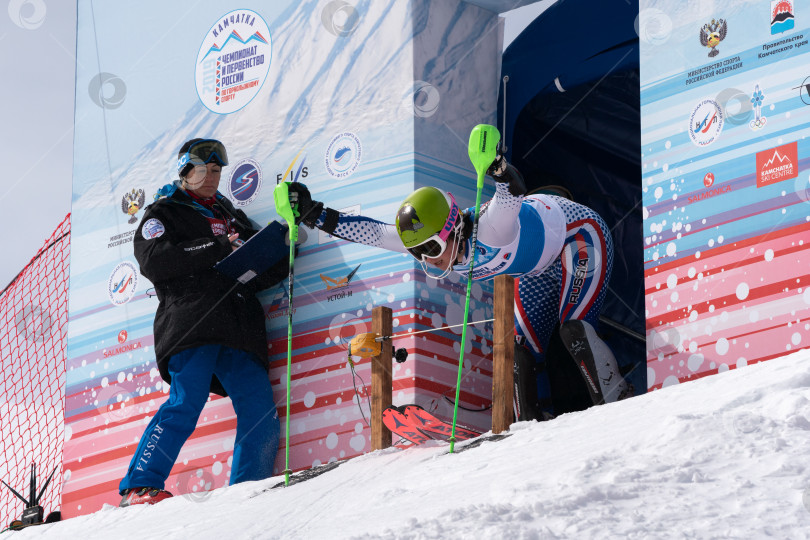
235	242
497	168
308	210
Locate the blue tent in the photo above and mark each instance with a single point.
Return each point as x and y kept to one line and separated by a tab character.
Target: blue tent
572	119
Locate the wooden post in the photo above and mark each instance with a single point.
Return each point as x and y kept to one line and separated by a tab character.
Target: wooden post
381	324
503	354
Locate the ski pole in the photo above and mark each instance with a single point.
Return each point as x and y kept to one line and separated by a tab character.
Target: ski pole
281	198
482	149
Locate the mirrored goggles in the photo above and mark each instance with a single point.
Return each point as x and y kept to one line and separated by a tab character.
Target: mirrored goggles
202	152
430	248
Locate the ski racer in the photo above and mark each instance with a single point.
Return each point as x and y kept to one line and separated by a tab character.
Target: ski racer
209	330
560	252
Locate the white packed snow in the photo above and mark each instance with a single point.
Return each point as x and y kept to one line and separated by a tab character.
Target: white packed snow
726	456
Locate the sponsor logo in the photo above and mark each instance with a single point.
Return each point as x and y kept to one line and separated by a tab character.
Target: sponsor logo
343	155
705	122
579	280
711	34
804	91
588	378
280	303
245	182
122	283
782	18
759	120
222	230
233	61
708	180
709	193
131	203
408	221
777	164
486	272
296	171
153	228
124	346
332	283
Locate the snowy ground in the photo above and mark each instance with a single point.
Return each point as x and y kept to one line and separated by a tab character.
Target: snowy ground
727	456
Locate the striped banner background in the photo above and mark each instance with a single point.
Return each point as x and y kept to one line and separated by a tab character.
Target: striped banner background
727	260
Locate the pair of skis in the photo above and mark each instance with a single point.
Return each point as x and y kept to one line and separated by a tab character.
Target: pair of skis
416	425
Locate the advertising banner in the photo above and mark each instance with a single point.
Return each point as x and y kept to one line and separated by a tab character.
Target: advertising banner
361	102
725	114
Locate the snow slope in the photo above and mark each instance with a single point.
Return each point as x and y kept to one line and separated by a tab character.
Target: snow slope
721	457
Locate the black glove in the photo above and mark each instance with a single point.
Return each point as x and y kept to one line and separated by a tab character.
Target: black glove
502	171
308	210
497	168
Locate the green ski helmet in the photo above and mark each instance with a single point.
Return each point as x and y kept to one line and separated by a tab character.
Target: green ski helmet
425	220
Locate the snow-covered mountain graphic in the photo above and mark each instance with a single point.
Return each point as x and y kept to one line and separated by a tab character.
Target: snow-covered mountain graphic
234	35
319	84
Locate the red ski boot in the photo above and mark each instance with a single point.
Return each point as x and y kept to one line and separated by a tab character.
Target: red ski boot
145	495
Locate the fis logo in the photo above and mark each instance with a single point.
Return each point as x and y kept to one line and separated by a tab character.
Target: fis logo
296	170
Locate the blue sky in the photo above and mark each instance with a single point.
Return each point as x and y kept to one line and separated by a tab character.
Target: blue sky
37	48
37	59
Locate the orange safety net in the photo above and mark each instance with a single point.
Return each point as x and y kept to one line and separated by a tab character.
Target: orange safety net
33	342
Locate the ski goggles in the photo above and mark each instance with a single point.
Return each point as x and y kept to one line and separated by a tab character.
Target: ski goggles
435	245
202	152
430	248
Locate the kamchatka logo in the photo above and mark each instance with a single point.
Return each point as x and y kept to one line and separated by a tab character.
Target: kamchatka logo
245	182
343	155
122	283
782	18
705	122
233	61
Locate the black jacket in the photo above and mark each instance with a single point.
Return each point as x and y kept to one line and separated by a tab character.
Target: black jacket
198	305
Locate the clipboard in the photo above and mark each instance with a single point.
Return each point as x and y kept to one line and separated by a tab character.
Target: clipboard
259	253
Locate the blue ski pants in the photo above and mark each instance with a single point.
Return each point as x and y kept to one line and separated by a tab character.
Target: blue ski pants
257	425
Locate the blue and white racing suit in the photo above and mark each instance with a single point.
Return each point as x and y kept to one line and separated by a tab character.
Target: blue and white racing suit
560	252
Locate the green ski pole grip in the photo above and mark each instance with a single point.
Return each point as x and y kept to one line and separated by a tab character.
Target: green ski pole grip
483	149
281	199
